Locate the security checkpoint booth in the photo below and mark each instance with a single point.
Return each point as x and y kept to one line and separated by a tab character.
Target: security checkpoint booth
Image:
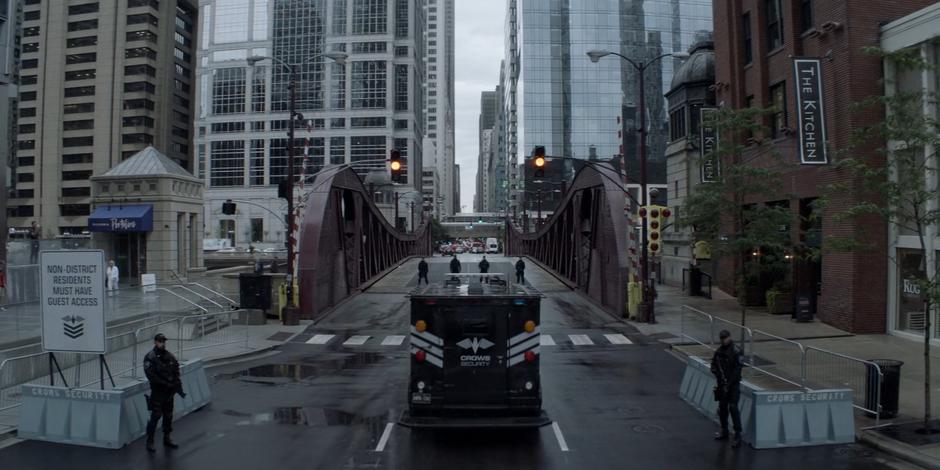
106	411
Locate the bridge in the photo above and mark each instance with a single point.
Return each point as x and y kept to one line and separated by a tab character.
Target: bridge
330	397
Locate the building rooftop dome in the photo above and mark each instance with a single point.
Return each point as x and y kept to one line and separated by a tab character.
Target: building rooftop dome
699	67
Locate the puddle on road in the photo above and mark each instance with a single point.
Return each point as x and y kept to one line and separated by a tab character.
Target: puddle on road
307	369
309	416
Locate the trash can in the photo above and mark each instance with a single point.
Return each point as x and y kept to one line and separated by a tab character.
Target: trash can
254	291
889	390
804	310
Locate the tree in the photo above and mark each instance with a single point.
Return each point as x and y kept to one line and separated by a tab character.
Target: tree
731	214
896	160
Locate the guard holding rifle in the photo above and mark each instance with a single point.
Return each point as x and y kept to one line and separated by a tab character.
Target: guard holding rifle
726	366
163	372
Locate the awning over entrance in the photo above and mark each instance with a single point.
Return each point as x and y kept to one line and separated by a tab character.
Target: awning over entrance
122	218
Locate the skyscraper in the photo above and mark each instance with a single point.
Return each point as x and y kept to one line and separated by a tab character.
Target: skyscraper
440	98
356	111
9	27
558	98
99	82
487	121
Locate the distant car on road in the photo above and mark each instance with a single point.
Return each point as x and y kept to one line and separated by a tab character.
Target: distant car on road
492	246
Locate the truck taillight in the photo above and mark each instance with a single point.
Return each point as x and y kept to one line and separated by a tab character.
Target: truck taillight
529	356
420	356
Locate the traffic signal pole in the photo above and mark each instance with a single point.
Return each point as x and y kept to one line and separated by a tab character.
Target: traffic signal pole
644	194
287	316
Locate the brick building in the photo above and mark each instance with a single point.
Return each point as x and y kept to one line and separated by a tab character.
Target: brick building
755	50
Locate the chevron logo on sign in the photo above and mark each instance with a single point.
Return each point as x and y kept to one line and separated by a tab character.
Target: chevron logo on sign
73	326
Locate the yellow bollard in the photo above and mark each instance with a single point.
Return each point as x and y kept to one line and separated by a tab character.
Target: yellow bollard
634	297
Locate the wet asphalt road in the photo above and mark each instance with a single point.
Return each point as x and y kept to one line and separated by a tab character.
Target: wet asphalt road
312	406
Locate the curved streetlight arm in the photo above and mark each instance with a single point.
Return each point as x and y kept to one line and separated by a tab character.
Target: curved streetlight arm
594	164
275	214
641	66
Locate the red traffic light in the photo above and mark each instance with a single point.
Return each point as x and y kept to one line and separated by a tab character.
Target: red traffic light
666	212
654	236
654	246
654	213
642	212
654	225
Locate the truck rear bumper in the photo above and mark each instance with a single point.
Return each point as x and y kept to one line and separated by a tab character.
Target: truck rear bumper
489	420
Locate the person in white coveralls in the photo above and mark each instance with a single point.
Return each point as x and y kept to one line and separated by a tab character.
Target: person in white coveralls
113	276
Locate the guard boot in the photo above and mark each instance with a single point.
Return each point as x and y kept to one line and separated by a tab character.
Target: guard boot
168	443
736	442
150	446
721	435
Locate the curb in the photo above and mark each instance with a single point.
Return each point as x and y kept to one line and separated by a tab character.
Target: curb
898	449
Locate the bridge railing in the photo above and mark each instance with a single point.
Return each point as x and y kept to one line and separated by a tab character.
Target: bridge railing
346	243
584	242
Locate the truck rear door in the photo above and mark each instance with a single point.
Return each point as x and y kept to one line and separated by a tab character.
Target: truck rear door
475	354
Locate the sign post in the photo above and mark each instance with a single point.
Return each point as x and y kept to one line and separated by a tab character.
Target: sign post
72	304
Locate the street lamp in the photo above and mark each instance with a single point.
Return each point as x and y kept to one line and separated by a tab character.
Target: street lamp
397	198
595	56
339	58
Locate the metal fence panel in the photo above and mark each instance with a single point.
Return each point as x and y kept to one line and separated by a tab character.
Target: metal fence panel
827	369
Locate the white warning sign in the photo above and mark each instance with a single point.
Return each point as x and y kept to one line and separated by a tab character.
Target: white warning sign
72	301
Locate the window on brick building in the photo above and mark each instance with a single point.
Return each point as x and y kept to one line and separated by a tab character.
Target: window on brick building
774	24
778	101
806	14
747	45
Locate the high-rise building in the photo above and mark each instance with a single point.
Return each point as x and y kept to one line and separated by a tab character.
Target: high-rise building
440	98
10	16
487	121
556	97
352	112
99	81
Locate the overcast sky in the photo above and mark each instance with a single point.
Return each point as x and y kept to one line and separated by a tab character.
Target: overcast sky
479	49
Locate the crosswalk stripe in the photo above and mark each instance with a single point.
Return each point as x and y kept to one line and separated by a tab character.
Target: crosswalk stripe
320	339
618	339
547	340
357	340
393	340
581	340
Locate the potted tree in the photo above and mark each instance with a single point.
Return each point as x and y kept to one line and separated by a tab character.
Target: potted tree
780	299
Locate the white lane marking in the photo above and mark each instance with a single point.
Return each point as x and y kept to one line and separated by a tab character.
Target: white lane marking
581	340
357	340
320	339
562	444
384	439
547	340
618	339
393	340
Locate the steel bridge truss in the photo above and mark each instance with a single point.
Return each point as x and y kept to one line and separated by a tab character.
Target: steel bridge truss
585	241
346	244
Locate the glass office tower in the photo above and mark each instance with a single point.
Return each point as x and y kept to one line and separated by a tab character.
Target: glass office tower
558	98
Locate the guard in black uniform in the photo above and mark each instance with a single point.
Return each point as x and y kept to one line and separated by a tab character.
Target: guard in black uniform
163	372
423	271
455	265
520	271
484	269
726	366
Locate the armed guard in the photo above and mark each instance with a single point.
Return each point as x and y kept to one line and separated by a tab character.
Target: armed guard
163	372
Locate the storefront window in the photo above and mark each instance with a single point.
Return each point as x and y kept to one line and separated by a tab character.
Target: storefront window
257	230
910	301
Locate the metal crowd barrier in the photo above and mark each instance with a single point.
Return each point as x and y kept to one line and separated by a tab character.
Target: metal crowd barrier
807	367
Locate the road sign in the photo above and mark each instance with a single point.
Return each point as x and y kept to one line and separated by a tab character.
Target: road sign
72	301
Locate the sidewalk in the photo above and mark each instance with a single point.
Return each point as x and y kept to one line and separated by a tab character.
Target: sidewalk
879	346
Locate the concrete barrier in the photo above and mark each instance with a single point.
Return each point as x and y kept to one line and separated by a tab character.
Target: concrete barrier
102	418
772	419
697	389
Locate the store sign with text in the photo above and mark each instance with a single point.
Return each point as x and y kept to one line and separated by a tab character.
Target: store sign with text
711	163
809	106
